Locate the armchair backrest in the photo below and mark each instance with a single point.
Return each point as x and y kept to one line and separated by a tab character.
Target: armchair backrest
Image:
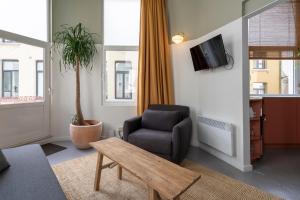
183	110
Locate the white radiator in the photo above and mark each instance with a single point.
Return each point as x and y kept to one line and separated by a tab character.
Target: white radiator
216	134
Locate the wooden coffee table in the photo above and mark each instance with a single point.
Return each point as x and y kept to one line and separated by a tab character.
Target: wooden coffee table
163	178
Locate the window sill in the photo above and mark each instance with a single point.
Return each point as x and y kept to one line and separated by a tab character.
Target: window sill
22	104
260	70
274	95
10	44
116	102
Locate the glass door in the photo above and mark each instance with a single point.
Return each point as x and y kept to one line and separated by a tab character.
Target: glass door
23	84
24	102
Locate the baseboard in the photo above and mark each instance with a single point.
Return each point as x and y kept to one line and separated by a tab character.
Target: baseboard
29	141
247	168
53	139
41	141
65	138
61	138
46	140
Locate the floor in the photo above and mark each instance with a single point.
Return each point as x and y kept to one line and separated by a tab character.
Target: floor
278	172
50	148
69	153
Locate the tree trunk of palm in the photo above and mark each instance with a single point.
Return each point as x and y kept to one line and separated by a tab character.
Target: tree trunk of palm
78	105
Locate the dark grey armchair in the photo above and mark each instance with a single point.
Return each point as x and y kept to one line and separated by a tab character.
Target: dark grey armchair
164	130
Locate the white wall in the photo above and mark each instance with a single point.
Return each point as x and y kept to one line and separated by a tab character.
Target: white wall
63	100
215	94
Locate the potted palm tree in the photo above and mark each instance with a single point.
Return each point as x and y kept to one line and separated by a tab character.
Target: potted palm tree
77	48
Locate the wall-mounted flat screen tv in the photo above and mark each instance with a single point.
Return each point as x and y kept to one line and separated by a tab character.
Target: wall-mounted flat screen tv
209	54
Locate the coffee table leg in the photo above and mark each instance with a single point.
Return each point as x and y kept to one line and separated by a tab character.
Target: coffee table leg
98	172
153	194
119	172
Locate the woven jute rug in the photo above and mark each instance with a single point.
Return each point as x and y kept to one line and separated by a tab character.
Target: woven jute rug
77	180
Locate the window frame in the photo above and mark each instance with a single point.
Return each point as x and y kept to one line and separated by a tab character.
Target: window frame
115	102
37	72
256	64
11	71
263	89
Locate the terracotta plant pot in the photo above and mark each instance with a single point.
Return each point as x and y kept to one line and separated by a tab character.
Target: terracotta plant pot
81	136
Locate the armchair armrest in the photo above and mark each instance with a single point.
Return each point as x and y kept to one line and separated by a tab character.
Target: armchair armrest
130	126
181	137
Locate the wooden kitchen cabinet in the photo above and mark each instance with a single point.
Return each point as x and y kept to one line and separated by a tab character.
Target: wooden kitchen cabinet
282	121
256	143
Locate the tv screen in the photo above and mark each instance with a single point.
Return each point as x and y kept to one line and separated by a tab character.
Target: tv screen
209	54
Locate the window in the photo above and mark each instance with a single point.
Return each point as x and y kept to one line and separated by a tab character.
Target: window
281	78
121	75
39	78
27	18
121	22
10	73
23	42
259	88
124	86
273	44
260	64
22	76
121	38
274	33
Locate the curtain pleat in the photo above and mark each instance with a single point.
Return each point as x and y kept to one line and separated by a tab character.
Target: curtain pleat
155	78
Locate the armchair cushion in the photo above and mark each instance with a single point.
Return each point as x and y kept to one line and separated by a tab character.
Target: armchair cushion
130	126
159	142
160	120
181	138
183	110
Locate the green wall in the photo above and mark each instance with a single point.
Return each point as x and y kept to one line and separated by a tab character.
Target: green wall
196	18
192	17
70	12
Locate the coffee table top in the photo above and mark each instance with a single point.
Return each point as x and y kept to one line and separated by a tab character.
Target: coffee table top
167	178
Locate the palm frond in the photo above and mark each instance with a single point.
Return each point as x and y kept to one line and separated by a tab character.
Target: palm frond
75	43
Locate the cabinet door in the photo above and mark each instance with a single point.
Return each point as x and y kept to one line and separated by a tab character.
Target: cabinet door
297	133
280	125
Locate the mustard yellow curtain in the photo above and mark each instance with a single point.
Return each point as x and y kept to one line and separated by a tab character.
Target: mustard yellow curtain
155	78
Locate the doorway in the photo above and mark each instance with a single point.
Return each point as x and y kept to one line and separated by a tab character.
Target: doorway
274	69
